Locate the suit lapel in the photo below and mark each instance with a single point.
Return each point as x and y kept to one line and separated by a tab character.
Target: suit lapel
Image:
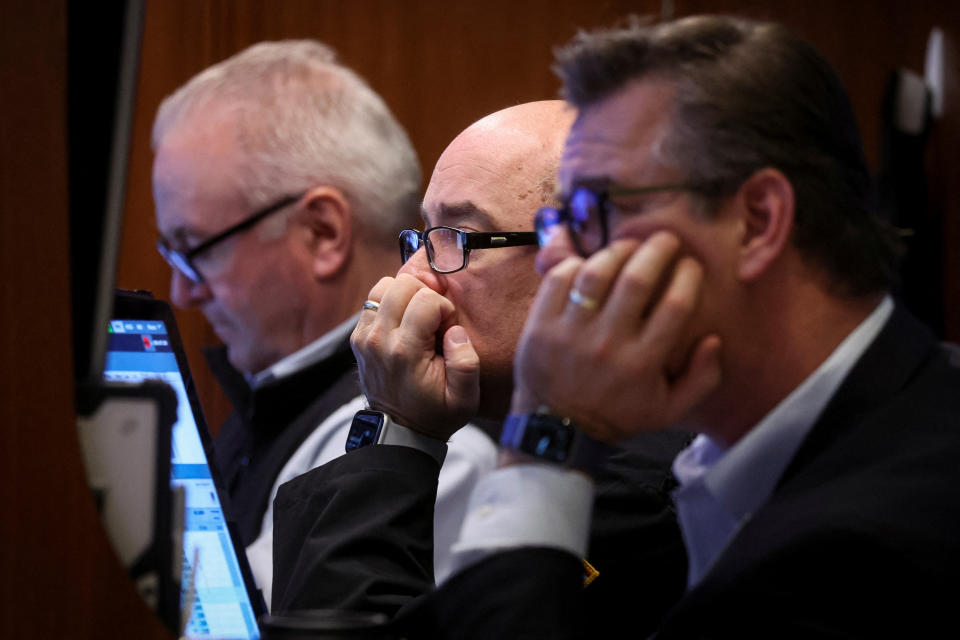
884	369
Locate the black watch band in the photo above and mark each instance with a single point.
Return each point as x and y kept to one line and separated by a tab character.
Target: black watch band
553	439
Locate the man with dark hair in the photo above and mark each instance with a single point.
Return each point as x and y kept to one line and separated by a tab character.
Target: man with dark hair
734	277
731	278
747	96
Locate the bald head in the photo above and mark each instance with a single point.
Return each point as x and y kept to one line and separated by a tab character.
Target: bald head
492	178
511	155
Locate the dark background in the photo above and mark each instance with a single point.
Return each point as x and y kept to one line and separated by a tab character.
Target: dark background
440	66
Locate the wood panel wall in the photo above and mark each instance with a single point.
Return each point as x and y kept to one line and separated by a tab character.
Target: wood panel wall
440	65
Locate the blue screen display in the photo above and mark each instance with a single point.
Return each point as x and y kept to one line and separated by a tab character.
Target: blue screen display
213	589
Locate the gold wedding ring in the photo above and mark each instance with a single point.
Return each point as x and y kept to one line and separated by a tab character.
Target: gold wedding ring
581	300
372	305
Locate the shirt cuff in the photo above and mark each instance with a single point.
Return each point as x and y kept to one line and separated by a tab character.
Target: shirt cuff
529	505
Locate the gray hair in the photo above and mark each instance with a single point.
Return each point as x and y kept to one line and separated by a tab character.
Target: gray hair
303	120
751	95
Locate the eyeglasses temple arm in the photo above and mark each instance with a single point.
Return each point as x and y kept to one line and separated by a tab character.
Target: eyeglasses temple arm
506	239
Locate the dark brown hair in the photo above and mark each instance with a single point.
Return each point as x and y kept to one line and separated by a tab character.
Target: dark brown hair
751	95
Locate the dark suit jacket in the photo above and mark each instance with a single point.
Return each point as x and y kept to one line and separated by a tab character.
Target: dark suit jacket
861	537
356	533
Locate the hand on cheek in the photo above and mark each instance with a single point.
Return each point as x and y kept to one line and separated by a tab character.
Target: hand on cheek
599	339
401	371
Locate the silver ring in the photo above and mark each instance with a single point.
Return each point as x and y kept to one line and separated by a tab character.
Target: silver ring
581	300
372	305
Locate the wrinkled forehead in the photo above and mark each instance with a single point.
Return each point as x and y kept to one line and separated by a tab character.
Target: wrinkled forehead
497	186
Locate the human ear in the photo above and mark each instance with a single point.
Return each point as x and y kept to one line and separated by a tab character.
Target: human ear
767	207
326	219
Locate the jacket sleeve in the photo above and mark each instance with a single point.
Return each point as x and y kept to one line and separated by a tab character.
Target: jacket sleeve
356	533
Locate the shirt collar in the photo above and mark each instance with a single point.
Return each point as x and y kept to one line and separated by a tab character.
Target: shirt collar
317	350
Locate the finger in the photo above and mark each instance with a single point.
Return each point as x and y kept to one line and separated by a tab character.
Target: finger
425	314
554	291
595	277
701	377
395	299
367	316
462	366
672	311
645	273
377	291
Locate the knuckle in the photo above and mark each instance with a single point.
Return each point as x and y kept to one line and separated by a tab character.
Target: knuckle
408	280
373	343
358	337
423	295
382	284
636	281
555	278
604	347
677	305
591	279
395	350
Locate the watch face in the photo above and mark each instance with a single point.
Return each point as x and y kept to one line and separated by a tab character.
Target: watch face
547	439
365	429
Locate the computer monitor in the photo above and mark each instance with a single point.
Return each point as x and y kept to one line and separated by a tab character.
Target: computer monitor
218	589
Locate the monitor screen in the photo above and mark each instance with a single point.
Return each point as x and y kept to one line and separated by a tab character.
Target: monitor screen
218	600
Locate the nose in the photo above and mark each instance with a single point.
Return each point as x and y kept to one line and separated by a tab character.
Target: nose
419	267
185	293
557	249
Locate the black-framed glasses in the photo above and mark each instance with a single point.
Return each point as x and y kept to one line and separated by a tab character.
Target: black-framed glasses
183	261
448	249
586	212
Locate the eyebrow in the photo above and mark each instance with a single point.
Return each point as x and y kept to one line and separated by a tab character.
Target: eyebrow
451	213
597	183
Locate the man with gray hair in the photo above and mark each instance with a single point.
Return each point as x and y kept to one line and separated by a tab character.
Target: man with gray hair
281	180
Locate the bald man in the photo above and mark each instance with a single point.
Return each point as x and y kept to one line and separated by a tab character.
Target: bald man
467	284
474	301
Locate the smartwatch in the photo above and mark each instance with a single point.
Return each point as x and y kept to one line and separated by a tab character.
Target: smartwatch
375	427
552	439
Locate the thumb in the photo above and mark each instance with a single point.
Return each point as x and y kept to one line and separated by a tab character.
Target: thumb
462	366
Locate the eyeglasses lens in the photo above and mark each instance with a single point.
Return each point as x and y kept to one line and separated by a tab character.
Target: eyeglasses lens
546	222
445	248
585	219
178	261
